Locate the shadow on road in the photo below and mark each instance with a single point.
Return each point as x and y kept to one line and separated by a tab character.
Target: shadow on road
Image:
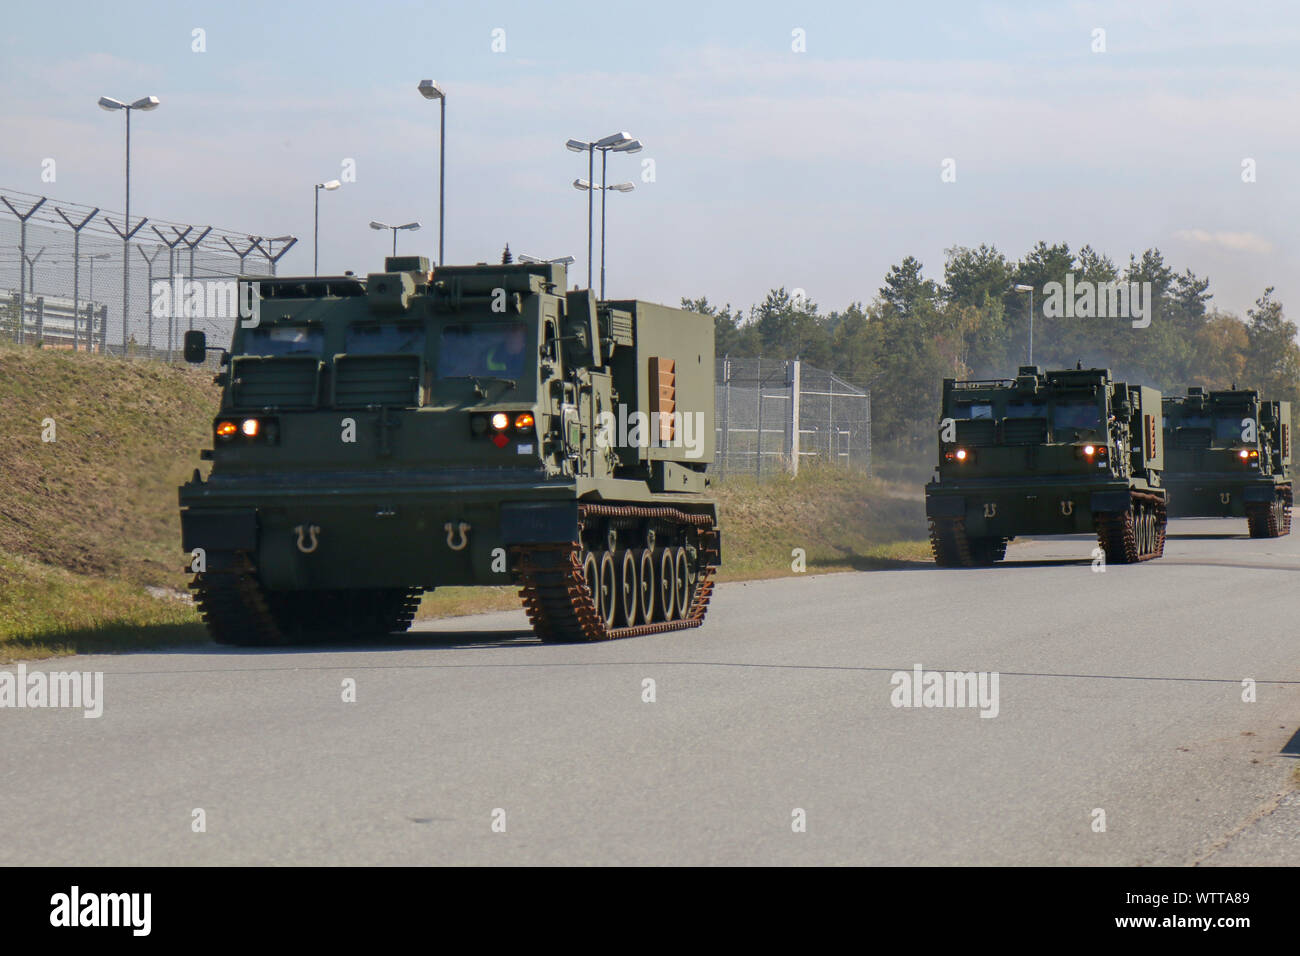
1292	748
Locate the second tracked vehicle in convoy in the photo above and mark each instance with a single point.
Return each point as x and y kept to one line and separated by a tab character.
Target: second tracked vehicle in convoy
466	425
1061	452
1228	454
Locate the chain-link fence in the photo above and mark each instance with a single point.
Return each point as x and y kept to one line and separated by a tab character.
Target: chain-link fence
61	277
760	400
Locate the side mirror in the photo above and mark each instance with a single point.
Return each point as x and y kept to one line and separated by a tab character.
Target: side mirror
196	346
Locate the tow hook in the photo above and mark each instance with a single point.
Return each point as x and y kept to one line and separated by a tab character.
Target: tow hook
308	546
463	530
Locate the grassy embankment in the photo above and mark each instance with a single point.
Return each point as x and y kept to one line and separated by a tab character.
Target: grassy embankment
90	539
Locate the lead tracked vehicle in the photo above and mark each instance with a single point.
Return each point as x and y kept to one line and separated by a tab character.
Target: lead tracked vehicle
472	425
1228	454
1064	452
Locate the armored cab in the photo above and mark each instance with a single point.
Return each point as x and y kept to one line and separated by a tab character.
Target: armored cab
1068	452
1229	455
472	425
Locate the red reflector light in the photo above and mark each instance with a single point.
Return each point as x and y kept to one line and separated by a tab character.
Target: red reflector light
500	440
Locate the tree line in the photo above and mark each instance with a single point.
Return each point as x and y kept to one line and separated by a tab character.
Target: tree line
974	324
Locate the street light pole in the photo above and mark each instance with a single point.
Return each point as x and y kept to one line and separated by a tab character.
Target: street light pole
146	103
432	91
376	224
330	186
1030	290
619	143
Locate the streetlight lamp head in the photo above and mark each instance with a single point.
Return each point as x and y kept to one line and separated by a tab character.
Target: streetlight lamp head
576	145
145	103
331	185
430	90
110	104
632	146
581	184
375	224
410	225
622	187
614	139
1024	288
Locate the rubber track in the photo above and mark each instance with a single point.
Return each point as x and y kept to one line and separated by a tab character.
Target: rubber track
950	545
1116	536
237	611
561	607
1263	520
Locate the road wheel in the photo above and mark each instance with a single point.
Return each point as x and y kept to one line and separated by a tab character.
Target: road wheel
667	584
629	592
646	580
608	595
682	588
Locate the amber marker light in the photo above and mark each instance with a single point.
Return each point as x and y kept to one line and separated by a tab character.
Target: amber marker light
524	422
226	429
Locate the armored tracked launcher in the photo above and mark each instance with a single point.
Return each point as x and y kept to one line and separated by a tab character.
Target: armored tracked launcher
1068	452
473	425
1228	454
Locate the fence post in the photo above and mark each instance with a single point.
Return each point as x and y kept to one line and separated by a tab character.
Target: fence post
758	435
796	375
40	321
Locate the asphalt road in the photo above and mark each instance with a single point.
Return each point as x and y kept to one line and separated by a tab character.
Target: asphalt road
1118	691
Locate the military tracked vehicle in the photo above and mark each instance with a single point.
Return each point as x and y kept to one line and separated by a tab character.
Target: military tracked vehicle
470	425
1228	454
1067	452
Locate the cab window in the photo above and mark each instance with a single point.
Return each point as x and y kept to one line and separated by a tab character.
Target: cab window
388	338
282	340
483	349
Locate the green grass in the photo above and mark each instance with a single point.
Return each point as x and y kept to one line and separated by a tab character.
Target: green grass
90	554
843	521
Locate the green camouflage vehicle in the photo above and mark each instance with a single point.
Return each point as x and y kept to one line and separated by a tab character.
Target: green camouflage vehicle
474	425
1229	455
1068	452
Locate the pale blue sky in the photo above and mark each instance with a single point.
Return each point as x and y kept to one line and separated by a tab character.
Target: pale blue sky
814	170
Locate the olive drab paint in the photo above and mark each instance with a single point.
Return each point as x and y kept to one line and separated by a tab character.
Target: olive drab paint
1229	455
1061	452
418	427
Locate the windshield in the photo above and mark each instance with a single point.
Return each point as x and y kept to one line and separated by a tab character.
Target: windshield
283	340
974	411
1026	410
483	349
1224	429
1076	415
389	339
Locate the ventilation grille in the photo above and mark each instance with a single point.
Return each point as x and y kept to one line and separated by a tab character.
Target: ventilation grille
1192	438
976	431
283	382
1024	431
392	380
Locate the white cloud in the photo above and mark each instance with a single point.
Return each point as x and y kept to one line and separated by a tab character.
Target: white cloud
1235	241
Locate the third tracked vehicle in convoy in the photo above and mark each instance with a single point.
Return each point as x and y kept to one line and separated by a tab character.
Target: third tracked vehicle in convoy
1061	452
1228	454
384	435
